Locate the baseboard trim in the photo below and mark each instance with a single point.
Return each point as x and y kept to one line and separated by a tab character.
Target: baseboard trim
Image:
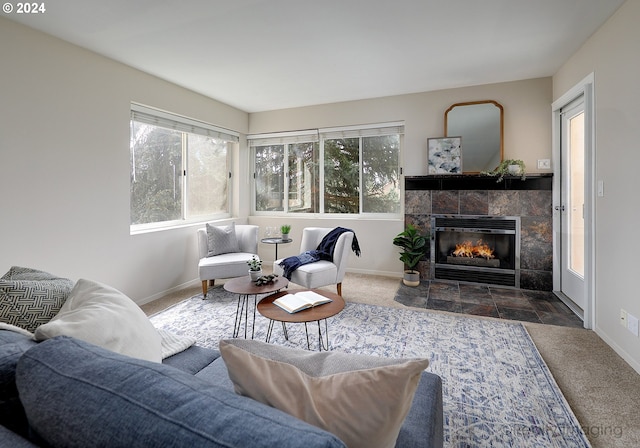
616	348
161	294
371	272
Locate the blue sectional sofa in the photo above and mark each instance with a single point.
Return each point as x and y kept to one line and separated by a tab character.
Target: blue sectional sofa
66	392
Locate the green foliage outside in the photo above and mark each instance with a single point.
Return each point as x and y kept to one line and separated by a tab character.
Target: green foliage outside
157	175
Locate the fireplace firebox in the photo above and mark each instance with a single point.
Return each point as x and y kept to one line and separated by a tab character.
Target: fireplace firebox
476	249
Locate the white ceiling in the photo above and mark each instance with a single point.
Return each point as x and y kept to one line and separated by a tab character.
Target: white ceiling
262	55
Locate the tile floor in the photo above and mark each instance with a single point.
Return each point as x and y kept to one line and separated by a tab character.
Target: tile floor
480	300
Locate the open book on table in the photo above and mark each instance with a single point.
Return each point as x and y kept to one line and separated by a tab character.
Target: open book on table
292	303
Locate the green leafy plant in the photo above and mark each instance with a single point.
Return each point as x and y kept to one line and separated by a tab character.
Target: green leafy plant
503	169
413	246
285	228
254	264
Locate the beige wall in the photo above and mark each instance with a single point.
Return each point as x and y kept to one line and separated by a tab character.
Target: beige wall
64	153
527	136
527	128
611	54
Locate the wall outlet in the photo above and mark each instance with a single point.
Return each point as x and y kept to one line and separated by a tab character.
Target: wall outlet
623	318
544	164
632	324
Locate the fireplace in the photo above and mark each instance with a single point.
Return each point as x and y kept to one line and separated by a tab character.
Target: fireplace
476	249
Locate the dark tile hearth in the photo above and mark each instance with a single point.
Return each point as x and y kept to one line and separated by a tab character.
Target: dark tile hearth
541	307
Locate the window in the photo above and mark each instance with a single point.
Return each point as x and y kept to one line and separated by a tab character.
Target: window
352	170
180	169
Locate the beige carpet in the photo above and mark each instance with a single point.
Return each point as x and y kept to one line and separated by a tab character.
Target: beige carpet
601	388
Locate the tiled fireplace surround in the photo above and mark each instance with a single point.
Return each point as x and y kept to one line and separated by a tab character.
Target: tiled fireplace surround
530	199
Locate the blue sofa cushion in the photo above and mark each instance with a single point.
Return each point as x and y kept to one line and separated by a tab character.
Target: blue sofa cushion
193	359
13	440
76	394
12	346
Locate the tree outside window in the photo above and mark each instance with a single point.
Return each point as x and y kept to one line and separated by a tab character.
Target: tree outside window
360	175
342	175
381	174
269	163
176	175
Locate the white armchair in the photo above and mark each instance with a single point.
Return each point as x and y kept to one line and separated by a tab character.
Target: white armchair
226	265
320	273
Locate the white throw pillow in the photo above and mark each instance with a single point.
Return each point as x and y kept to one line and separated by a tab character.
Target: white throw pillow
104	316
361	399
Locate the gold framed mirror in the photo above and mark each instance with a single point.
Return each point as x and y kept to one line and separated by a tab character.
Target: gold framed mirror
481	126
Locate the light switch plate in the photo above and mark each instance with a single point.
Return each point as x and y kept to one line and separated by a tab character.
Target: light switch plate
544	164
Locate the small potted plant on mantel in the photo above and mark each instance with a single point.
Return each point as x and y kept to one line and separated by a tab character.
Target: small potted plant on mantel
512	167
255	268
413	247
284	230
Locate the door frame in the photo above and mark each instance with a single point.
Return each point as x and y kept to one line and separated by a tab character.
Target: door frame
586	88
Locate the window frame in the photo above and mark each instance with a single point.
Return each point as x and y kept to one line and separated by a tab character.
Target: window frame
361	131
168	120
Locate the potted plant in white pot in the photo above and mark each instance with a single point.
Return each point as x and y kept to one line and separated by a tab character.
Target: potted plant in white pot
413	247
255	268
284	230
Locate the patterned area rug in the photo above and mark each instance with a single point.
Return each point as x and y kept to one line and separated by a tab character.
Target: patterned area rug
497	390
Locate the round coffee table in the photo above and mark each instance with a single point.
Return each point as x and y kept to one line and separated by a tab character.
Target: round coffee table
273	312
245	287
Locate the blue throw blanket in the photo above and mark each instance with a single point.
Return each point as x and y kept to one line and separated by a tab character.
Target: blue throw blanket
324	251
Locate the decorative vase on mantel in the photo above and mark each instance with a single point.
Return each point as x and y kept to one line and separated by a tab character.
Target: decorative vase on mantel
514	170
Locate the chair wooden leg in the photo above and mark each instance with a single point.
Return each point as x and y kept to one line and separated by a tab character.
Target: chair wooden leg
204	288
339	288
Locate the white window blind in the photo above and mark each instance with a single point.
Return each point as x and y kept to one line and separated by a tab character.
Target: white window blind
314	135
373	130
283	138
156	117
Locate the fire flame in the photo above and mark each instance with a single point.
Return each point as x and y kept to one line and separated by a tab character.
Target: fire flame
479	250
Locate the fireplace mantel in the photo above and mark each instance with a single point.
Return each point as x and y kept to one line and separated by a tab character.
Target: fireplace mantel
468	194
478	182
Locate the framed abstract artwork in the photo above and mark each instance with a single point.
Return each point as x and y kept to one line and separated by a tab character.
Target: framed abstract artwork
445	155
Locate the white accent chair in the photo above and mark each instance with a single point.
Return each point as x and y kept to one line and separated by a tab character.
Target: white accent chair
320	273
230	264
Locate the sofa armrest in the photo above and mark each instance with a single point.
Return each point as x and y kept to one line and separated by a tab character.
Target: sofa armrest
424	425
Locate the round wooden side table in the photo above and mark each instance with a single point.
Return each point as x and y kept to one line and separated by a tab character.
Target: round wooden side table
245	287
268	309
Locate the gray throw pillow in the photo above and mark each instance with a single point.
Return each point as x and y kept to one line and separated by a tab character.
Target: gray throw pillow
21	273
222	239
30	298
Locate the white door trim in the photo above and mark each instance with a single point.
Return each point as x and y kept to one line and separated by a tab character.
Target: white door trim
586	88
